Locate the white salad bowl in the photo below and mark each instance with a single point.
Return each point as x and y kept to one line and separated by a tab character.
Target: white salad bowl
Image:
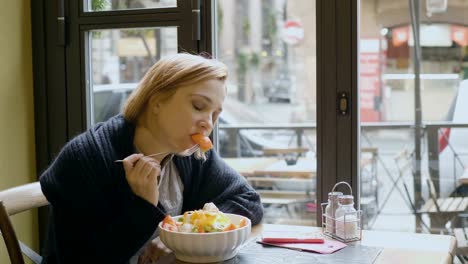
206	247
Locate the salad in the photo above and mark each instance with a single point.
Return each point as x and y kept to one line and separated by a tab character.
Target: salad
207	220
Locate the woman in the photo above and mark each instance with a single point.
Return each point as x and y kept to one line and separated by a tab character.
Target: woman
105	212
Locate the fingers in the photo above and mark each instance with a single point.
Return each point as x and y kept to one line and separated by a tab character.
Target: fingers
142	259
130	161
145	165
141	173
160	245
138	164
153	252
150	172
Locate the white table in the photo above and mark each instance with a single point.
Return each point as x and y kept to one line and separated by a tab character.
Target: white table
398	247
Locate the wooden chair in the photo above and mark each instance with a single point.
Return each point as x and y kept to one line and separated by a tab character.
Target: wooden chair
13	201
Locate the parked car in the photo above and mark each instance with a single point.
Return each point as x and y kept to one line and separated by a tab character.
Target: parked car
108	99
282	89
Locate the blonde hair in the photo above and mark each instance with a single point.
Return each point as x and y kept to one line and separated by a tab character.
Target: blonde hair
169	74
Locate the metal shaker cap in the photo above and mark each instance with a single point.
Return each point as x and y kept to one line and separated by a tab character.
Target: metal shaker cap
333	196
346	199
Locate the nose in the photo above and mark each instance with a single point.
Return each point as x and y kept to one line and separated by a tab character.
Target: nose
206	124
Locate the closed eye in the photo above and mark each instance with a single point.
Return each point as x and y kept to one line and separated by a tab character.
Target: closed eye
198	106
204	103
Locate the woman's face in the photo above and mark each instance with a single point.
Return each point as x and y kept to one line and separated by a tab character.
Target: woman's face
192	109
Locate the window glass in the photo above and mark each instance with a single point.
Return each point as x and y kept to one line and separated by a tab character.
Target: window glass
112	5
405	173
118	60
267	129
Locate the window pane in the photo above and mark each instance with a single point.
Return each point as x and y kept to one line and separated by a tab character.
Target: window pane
111	5
118	59
401	178
267	130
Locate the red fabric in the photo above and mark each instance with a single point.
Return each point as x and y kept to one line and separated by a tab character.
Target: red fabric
444	138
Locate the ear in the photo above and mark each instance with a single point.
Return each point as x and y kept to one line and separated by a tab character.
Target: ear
154	105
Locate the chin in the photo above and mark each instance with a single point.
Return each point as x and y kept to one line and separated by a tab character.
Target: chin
185	146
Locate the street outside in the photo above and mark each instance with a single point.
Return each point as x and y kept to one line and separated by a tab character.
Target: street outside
397	213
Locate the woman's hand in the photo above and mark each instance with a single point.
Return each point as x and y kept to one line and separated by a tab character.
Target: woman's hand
142	176
153	251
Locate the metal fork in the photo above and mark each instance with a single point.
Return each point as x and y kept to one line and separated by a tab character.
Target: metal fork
184	153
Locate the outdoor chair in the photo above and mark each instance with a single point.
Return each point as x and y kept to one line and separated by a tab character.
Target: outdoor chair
403	164
442	211
460	223
369	184
13	201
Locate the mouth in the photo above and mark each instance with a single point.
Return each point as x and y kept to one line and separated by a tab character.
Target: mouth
201	133
203	141
191	138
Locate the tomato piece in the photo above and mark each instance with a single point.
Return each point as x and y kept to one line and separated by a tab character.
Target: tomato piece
169	227
243	222
168	220
169	223
201	229
203	141
230	227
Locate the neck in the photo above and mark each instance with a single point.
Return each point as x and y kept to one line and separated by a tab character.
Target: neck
148	143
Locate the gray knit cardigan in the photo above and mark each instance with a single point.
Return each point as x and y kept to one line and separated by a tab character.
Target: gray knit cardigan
94	215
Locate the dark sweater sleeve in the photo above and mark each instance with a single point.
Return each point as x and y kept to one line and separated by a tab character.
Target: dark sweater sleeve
89	225
228	190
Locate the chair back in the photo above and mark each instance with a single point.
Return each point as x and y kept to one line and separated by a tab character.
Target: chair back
9	236
403	161
13	201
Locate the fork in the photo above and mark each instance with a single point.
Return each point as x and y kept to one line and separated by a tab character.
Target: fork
184	153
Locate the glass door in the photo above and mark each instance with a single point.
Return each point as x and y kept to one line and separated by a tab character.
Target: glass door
413	85
267	130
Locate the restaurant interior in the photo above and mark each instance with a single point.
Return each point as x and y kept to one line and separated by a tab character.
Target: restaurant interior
347	118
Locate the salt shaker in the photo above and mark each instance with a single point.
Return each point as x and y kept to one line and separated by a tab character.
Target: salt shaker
346	218
330	211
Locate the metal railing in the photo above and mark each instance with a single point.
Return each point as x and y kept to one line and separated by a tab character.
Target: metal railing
301	136
431	132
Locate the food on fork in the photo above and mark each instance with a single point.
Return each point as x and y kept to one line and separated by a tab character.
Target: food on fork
203	141
207	220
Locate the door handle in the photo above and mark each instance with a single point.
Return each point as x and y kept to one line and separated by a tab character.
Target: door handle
343	103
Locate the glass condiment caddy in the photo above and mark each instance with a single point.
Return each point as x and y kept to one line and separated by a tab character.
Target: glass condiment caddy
346	220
